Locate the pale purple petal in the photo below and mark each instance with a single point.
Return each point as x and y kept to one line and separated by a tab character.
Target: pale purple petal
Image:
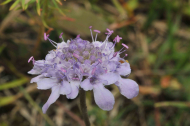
65	88
74	89
36	79
52	98
46	83
129	88
62	45
97	44
110	77
34	71
103	97
50	56
86	85
124	69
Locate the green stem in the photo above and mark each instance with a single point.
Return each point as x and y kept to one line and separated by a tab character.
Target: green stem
83	107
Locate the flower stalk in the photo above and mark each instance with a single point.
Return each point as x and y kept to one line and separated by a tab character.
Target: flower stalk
84	107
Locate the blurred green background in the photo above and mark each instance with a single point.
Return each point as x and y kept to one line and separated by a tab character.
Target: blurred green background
156	31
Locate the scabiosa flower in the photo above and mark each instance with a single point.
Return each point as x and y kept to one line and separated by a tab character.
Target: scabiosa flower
79	64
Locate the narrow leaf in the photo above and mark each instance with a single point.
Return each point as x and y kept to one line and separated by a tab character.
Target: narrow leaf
13	84
44	23
30	2
23	4
2	47
38	7
6	2
7	100
14	4
59	2
57	7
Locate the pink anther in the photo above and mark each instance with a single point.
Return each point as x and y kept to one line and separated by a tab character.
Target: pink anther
60	36
117	39
31	58
125	46
97	31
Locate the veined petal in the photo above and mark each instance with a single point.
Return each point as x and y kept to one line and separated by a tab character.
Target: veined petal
50	56
86	85
103	97
97	44
65	88
124	69
46	83
110	77
52	98
36	79
74	89
129	88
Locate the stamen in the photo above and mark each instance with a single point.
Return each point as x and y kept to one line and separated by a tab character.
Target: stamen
117	39
108	35
76	55
125	56
93	71
78	36
97	31
125	46
45	36
122	52
81	69
100	60
121	49
115	54
91	33
109	31
51	41
60	36
31	58
63	70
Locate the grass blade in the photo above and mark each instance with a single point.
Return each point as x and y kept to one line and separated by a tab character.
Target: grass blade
57	7
14	4
6	2
23	4
13	84
38	7
32	102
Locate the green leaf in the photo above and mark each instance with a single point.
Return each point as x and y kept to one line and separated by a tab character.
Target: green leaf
14	4
44	23
6	2
57	7
78	15
38	7
30	2
133	4
23	4
6	100
2	47
13	84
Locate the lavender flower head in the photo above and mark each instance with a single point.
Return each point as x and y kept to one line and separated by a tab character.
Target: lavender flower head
89	65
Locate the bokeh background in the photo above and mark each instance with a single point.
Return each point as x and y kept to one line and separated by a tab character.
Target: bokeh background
156	31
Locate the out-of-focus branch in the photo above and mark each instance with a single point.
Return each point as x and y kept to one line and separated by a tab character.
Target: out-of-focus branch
173	104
